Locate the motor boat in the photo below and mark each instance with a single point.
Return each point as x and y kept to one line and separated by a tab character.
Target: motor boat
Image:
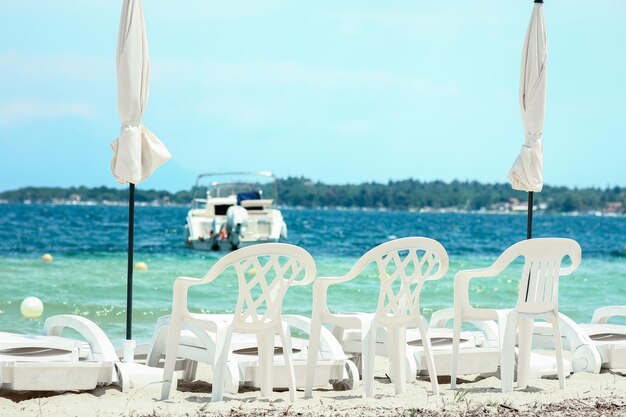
233	210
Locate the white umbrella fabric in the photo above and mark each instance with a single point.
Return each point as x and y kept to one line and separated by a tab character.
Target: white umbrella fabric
137	151
527	171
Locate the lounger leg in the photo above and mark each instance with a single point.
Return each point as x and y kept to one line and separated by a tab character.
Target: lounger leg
430	360
223	335
523	357
266	361
368	332
314	342
456	339
159	342
558	348
285	338
171	353
189	370
397	356
507	349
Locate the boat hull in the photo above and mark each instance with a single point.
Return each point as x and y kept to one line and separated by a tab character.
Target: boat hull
216	233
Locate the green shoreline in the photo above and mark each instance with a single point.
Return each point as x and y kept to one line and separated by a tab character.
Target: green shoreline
405	195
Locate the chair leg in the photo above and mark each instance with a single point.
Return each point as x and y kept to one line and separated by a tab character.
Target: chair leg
558	348
430	360
368	342
314	342
397	356
266	361
223	335
285	338
523	357
171	352
456	339
508	326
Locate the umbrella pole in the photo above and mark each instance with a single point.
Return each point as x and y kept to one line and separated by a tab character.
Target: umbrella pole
529	227
529	231
129	344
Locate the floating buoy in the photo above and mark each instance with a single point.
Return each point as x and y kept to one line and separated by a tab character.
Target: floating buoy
46	257
141	266
31	307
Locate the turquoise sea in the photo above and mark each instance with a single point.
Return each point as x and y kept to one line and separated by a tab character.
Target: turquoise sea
88	274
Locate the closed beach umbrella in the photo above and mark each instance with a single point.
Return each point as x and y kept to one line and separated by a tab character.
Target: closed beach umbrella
527	171
137	152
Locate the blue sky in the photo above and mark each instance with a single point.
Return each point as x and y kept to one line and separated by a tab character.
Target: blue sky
337	91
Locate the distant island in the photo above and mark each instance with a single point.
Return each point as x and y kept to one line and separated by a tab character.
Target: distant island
412	195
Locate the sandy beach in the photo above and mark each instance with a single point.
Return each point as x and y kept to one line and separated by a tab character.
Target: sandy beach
585	395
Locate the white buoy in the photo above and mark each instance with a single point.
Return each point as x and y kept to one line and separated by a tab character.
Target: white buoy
31	307
46	257
141	266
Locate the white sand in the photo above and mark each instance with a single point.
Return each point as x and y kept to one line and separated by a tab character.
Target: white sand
193	399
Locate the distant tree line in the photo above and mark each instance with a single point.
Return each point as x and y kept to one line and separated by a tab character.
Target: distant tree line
466	195
394	195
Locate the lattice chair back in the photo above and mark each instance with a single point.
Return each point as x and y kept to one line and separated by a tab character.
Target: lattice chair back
264	273
403	267
539	283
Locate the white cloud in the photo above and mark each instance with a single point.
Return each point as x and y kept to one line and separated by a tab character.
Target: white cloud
261	74
28	110
51	67
245	113
423	21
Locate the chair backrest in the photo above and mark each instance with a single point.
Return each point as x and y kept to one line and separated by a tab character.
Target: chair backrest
539	283
265	272
403	267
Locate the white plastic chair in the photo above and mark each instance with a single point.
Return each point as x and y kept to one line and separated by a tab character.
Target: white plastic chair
265	272
406	263
537	299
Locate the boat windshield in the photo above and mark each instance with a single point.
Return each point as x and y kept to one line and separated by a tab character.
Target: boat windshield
244	186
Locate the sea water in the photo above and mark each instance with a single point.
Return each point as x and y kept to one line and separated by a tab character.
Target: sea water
89	247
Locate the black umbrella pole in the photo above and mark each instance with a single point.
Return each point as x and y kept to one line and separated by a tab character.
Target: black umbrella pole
131	244
529	227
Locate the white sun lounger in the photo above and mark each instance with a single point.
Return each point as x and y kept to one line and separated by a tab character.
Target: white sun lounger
53	363
479	349
50	362
197	345
610	339
479	353
594	345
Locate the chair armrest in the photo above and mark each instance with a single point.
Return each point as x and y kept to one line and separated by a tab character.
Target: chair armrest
603	314
463	277
569	269
187	281
320	293
181	286
328	281
462	280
